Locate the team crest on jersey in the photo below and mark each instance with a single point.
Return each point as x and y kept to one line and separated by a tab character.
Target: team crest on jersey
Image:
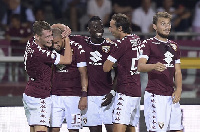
161	124
174	46
85	120
106	49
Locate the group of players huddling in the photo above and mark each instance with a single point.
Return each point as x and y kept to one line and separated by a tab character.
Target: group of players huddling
70	78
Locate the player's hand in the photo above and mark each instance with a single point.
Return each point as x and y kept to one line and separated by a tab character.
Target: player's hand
82	103
66	32
160	67
107	100
176	96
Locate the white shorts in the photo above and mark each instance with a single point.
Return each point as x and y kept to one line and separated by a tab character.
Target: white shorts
37	110
126	110
95	115
66	107
161	114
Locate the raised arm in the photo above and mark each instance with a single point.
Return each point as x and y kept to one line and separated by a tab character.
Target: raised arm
67	58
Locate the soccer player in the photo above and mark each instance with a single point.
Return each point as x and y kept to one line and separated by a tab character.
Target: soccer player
160	57
126	54
69	87
97	50
38	60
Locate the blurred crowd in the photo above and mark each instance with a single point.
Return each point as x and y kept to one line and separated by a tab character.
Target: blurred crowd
76	13
17	16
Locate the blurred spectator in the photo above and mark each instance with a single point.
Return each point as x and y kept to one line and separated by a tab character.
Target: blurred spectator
3	8
15	7
101	8
180	16
142	16
39	14
17	35
196	21
124	6
134	27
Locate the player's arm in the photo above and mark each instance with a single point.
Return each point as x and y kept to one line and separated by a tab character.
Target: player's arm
67	58
84	83
144	67
107	66
108	98
178	83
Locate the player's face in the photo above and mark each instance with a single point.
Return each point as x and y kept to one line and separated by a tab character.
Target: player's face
58	43
163	27
45	40
96	29
114	30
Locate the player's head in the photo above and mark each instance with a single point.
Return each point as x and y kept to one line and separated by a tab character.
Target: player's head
15	20
43	33
119	24
58	43
95	27
162	24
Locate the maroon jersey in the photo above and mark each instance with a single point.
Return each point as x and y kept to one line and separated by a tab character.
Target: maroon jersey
99	82
38	62
126	53
67	79
167	53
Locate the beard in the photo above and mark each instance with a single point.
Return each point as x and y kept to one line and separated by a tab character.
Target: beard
162	35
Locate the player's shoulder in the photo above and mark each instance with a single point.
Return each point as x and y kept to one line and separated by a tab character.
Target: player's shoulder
150	41
77	37
172	42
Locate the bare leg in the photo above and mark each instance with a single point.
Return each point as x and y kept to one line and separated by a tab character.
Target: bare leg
119	128
130	129
109	127
31	129
73	130
54	129
40	128
96	128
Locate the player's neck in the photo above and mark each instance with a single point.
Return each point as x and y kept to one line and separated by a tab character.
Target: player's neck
161	38
97	40
38	43
123	35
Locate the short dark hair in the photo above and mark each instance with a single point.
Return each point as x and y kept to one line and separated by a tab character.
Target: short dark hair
123	21
159	15
94	18
56	32
39	26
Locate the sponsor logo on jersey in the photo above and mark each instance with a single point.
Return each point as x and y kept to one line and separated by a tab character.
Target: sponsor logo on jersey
106	49
168	59
60	68
96	56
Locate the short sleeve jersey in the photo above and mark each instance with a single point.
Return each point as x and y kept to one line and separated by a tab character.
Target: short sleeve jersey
66	78
167	53
38	62
99	82
126	54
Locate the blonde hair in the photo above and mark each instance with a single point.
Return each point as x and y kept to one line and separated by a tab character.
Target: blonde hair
159	15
